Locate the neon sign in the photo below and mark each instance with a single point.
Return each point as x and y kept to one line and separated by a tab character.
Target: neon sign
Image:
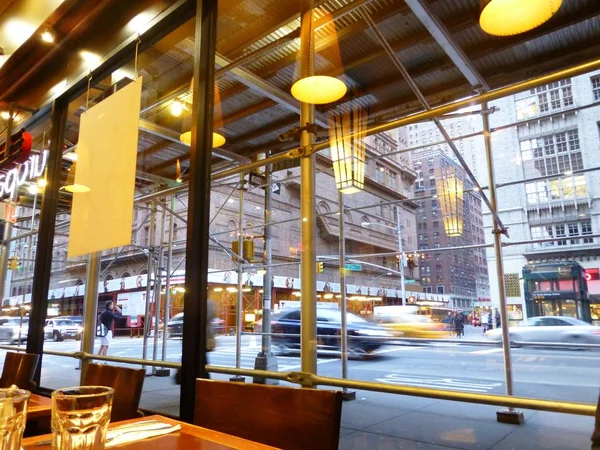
30	170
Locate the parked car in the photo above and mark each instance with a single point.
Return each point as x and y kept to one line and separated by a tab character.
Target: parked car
551	329
61	328
476	321
363	337
9	329
175	326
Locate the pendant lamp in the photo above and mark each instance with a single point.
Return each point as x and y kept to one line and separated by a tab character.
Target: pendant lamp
510	17
218	139
71	186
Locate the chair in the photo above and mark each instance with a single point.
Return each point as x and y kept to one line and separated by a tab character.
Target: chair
127	383
19	369
283	417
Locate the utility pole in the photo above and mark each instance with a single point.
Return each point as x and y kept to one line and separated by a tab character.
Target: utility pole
401	254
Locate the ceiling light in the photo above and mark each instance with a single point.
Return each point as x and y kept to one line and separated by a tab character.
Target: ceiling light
218	139
90	59
176	108
319	89
41	182
5	115
33	189
510	17
218	289
247	290
48	35
77	188
261	272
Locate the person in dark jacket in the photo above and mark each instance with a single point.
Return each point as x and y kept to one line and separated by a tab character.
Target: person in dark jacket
459	325
107	318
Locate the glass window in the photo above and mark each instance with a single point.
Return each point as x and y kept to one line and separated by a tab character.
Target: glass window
596	87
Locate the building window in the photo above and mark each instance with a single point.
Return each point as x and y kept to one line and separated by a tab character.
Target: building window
440	289
543	99
392	179
431	172
560	232
436	235
436	224
573	231
430	160
379	173
596	87
434	203
586	229
438	256
436	245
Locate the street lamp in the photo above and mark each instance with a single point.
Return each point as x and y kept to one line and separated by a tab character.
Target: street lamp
398	229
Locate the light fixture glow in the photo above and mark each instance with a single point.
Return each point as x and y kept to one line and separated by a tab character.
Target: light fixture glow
218	139
77	188
261	272
451	192
231	289
176	108
33	189
247	290
42	182
48	36
218	289
328	296
348	150
319	89
5	115
90	59
296	294
510	17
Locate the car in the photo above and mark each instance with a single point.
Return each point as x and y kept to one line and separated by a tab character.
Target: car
61	328
551	329
412	326
363	337
476	321
10	326
175	326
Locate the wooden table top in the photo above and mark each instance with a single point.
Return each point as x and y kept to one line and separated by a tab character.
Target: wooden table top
39	406
190	436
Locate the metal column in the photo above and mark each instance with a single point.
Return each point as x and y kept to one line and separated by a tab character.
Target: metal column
308	328
157	291
198	229
26	265
240	274
8	226
168	279
346	394
511	415
401	255
45	243
90	308
266	360
149	280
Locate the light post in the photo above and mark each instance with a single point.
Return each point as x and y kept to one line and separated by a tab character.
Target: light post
398	229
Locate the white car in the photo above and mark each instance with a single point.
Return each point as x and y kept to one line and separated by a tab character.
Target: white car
9	329
551	329
60	329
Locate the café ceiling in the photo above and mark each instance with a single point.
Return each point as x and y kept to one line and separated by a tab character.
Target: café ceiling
254	97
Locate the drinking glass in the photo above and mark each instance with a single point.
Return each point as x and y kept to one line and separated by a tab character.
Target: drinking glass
80	417
13	416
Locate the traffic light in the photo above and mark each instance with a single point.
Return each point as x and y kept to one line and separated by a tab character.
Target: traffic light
13	263
320	267
248	249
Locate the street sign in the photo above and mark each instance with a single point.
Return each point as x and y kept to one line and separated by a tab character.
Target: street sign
256	179
276	188
353	267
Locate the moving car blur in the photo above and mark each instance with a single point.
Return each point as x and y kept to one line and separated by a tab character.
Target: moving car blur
363	337
406	322
551	329
9	329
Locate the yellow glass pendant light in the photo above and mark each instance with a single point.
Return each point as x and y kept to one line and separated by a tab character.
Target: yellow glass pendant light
510	17
319	89
218	139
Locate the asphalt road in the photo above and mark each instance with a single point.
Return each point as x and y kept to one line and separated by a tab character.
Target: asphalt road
571	375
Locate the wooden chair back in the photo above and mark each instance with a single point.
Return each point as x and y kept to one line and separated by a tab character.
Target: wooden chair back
126	382
19	368
283	417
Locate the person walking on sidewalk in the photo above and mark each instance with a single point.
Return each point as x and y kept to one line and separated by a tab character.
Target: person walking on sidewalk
490	324
497	319
106	319
459	325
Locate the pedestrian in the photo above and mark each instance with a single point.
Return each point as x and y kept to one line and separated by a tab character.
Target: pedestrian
106	319
497	319
490	323
458	324
211	343
484	322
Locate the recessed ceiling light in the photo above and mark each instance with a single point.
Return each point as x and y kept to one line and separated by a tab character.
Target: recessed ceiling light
48	35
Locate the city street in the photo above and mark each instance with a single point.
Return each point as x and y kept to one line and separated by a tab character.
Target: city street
570	375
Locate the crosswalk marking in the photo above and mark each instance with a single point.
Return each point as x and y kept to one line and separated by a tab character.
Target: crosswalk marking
439	382
486	351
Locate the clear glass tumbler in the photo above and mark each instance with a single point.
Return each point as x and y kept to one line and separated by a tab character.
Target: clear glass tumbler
13	417
80	417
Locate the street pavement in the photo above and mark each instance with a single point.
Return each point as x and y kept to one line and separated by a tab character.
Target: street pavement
569	375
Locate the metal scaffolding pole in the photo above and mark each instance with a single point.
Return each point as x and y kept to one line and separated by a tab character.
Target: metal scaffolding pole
401	255
157	290
90	309
308	340
8	225
168	280
26	265
346	394
266	360
240	273
511	415
150	271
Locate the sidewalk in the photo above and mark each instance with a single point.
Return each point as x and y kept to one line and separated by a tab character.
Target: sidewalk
382	421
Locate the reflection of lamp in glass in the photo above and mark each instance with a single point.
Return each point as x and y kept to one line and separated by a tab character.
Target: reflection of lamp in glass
450	197
346	140
178	178
218	139
319	89
71	186
510	17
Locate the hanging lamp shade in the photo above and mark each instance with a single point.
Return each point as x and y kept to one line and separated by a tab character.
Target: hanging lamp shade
319	88
510	17
347	131
218	139
451	199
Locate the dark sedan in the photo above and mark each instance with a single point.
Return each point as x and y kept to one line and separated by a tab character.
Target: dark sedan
363	337
175	326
